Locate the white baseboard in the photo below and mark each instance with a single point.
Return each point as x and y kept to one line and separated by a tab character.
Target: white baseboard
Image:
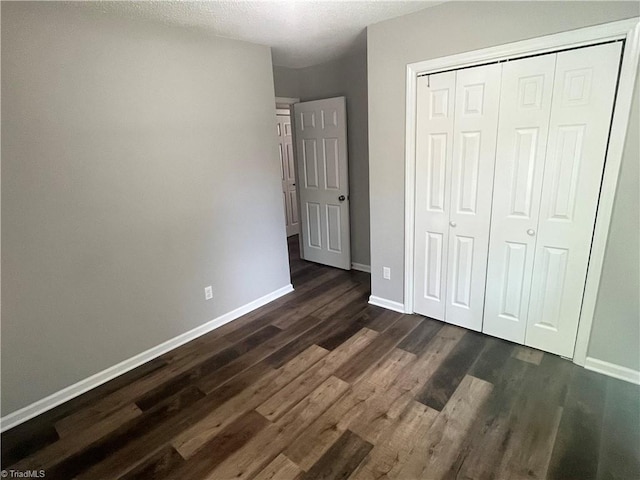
72	391
388	304
612	370
361	267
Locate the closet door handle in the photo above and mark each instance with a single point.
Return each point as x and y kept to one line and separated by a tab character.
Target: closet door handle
531	232
452	223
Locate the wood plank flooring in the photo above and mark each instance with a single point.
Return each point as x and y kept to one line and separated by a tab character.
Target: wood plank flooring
320	385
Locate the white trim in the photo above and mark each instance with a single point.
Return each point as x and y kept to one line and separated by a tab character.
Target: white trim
72	391
612	370
361	267
626	29
410	187
388	304
571	39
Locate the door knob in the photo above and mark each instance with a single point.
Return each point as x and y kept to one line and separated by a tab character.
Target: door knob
452	223
531	232
341	198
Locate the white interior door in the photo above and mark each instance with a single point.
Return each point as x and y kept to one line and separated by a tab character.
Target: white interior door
477	98
583	96
321	146
288	173
434	154
525	106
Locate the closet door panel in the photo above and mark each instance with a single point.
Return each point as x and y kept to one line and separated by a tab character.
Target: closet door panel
434	150
525	108
584	91
474	147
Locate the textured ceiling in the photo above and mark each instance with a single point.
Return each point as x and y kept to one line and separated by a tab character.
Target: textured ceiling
301	33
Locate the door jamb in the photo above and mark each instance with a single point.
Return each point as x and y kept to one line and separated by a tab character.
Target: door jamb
628	30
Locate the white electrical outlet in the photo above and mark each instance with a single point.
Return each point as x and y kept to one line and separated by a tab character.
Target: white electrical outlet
386	273
208	293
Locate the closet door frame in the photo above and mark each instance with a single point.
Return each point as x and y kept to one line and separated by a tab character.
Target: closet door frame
628	30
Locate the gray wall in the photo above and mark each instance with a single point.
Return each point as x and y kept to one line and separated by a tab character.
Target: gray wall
286	82
615	334
139	165
346	77
447	29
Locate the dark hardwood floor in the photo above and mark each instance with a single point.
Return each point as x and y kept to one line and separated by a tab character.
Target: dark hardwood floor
320	385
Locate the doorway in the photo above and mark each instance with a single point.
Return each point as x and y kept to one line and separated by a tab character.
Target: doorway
284	132
286	155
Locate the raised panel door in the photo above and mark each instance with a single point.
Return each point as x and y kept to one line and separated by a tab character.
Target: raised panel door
321	141
584	91
288	174
434	153
477	96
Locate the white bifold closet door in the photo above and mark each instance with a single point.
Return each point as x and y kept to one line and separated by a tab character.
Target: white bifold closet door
434	151
455	151
525	106
546	193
